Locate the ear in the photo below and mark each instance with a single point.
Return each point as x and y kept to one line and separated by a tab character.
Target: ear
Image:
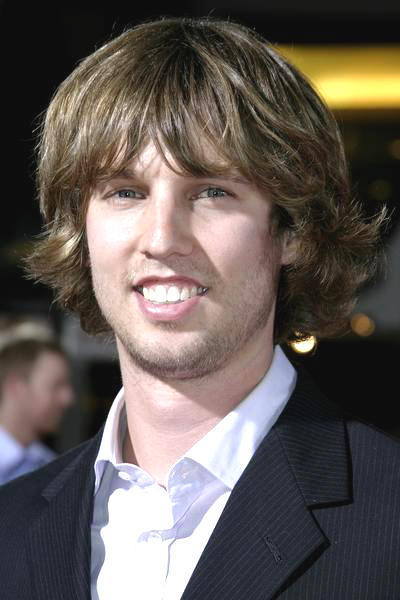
290	244
14	385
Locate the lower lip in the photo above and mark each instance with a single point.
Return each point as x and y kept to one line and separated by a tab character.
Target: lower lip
166	312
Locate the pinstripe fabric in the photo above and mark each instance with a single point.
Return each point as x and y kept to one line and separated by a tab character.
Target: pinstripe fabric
363	559
45	530
315	516
263	535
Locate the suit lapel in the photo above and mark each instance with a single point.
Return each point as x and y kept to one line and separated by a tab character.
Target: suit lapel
61	532
267	534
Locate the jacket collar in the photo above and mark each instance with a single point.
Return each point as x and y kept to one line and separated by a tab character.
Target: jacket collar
267	530
314	438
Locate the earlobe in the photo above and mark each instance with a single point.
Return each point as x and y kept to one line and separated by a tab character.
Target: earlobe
289	247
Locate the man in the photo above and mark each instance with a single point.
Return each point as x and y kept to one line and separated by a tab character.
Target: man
197	202
35	391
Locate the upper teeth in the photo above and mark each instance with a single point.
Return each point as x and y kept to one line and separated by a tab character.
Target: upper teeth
171	293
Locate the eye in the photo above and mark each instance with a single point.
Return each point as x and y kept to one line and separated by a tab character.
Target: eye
213	192
127	194
123	197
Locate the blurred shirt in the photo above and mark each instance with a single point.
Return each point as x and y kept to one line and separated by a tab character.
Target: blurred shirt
16	459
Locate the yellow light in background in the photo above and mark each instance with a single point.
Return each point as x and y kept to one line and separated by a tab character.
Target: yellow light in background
362	325
351	77
305	346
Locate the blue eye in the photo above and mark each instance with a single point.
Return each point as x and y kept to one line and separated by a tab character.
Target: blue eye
213	192
124	197
127	194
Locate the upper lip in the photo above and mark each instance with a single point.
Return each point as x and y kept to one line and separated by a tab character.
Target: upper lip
173	279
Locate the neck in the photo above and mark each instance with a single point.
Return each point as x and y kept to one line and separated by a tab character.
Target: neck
15	425
167	417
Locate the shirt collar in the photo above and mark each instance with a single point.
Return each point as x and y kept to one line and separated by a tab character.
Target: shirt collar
226	449
111	442
11	450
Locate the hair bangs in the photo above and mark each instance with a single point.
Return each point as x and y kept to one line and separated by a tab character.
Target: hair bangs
189	113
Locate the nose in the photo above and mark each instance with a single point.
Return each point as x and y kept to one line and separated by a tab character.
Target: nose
166	227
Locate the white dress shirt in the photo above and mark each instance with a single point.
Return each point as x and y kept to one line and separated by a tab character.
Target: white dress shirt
16	459
147	540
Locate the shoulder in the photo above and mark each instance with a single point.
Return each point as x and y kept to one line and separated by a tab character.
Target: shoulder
38	513
375	457
369	438
24	496
322	438
362	436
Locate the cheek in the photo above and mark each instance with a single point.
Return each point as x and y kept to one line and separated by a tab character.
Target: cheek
38	400
44	401
237	247
106	240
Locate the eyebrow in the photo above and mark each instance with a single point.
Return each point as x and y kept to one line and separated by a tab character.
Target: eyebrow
128	173
233	177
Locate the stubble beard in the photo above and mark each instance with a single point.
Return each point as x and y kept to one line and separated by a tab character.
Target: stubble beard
208	350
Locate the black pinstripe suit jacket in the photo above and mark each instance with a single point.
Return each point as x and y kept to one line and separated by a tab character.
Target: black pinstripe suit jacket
315	516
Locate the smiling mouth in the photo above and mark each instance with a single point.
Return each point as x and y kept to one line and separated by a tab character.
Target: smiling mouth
170	294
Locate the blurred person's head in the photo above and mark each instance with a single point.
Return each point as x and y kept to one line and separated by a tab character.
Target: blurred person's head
35	388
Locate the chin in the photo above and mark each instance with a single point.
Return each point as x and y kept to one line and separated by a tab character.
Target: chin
193	361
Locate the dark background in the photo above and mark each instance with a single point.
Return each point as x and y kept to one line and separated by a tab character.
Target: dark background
40	45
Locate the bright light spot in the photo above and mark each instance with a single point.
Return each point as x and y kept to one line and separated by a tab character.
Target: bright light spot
362	325
305	346
360	91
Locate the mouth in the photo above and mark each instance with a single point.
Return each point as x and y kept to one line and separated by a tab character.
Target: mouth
172	293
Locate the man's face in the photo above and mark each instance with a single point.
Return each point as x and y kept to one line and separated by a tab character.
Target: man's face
184	268
48	392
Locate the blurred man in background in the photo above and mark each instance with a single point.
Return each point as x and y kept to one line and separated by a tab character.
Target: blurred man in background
35	391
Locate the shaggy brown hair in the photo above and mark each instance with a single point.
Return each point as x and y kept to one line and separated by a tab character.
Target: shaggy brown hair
169	82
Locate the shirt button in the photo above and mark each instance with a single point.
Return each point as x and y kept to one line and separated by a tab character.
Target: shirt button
124	475
155	537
